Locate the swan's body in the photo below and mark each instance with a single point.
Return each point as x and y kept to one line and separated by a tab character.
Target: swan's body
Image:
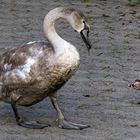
33	71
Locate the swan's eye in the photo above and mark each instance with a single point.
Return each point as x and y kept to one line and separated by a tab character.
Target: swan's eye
83	21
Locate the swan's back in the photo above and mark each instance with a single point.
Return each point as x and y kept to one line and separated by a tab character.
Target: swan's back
17	57
17	64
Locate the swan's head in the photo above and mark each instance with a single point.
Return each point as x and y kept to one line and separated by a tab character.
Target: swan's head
79	22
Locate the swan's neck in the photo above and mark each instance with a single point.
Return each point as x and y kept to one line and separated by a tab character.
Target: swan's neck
59	44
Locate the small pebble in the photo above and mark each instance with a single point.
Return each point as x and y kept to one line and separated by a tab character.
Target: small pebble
133	125
87	95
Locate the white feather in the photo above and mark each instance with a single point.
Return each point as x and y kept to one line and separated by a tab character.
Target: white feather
31	42
7	67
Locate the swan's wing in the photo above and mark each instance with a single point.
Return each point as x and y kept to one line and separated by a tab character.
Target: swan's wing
16	64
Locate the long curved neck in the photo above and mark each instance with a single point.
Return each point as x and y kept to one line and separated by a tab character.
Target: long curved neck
57	42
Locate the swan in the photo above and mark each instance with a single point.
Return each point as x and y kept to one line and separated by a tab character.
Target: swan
37	69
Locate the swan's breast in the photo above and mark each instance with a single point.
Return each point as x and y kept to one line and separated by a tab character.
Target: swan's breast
69	57
66	64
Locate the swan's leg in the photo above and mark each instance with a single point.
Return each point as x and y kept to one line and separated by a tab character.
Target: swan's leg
32	125
63	123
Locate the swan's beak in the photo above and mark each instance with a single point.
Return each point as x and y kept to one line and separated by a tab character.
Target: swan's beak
85	36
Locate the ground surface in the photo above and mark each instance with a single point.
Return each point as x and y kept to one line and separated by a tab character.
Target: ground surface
98	94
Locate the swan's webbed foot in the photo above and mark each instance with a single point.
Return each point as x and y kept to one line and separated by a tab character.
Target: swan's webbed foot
62	122
70	125
32	124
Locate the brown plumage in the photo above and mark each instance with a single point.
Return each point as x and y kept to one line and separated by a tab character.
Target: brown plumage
35	70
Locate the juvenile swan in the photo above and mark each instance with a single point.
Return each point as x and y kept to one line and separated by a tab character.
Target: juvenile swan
36	70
